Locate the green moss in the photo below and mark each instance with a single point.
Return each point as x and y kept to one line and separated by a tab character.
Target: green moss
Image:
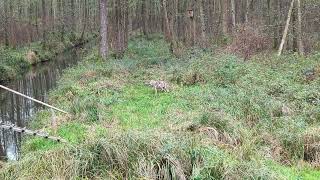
73	132
38	144
295	173
140	107
12	63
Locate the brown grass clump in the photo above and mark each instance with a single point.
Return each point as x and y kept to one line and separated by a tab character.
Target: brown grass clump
276	152
248	42
312	146
32	57
89	75
221	139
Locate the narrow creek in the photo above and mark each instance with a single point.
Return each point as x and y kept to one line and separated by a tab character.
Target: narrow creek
36	83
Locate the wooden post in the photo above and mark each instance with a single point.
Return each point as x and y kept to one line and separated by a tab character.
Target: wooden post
285	32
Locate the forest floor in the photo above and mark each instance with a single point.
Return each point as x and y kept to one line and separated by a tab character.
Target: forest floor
223	118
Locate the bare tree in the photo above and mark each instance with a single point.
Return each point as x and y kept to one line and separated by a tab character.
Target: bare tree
203	24
299	31
44	24
233	13
103	29
285	32
6	23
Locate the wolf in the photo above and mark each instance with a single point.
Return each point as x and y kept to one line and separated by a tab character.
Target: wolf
158	86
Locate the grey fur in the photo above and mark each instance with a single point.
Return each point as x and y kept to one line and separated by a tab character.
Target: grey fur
159	85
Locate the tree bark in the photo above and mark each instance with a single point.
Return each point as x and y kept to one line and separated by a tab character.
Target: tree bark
285	32
73	19
247	11
144	18
233	14
61	19
299	29
203	25
44	24
85	20
103	29
169	32
224	11
6	23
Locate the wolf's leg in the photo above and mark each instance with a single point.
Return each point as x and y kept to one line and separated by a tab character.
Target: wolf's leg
155	90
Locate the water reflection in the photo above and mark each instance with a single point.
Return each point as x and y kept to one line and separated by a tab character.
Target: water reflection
18	110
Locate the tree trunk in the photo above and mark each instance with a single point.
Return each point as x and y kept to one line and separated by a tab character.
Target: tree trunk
73	17
233	14
85	20
52	14
225	23
61	19
247	11
299	29
144	18
103	29
203	25
285	32
30	32
169	32
6	23
44	25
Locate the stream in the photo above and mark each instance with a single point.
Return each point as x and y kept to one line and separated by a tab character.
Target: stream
35	83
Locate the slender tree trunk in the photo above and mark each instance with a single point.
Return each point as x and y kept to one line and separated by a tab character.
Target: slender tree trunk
285	32
169	32
294	43
36	20
6	23
247	11
233	14
203	25
85	20
276	26
44	24
52	14
2	152
73	18
224	11
144	18
119	21
299	29
103	29
130	20
30	23
125	25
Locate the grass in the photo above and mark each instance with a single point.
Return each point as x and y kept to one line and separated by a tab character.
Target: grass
15	61
12	63
222	119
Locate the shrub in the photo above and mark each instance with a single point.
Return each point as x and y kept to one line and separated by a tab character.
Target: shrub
248	42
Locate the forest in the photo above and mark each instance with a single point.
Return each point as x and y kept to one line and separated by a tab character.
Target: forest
159	89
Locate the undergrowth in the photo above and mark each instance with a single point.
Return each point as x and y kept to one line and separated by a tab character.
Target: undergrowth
15	61
223	118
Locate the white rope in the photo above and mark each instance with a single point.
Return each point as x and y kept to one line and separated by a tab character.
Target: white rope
32	99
